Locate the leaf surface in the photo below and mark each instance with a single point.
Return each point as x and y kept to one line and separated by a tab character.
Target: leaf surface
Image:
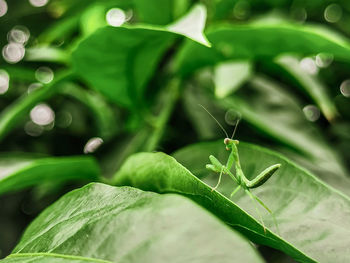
125	58
310	215
21	171
100	223
303	206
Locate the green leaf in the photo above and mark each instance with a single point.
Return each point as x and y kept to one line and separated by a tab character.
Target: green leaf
100	223
120	57
310	83
161	173
21	171
310	215
125	58
229	76
260	41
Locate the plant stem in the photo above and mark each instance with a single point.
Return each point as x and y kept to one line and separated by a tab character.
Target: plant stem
162	120
10	117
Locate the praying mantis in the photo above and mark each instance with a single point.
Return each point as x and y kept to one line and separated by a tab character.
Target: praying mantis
241	180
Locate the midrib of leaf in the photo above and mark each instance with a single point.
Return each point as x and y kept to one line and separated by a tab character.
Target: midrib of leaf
55	255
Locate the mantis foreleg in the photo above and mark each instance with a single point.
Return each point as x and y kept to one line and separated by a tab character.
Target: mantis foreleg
216	186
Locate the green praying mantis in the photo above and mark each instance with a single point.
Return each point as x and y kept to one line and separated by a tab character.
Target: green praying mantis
241	180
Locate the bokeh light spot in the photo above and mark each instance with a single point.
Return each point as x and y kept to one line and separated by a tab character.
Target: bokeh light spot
115	17
92	145
333	13
3	8
34	86
323	60
18	34
312	113
44	75
13	52
345	88
38	3
309	65
42	114
4	81
33	129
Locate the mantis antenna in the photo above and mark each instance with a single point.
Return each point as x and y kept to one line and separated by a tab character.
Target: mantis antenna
234	131
222	128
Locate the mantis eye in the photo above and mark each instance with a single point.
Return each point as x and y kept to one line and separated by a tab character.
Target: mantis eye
226	141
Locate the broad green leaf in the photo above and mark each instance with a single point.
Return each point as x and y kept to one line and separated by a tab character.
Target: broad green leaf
229	76
161	173
310	83
125	58
261	41
100	223
311	215
19	171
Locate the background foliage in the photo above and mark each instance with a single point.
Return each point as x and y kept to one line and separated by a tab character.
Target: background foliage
86	86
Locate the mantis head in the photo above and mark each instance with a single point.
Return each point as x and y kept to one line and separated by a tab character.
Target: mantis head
229	142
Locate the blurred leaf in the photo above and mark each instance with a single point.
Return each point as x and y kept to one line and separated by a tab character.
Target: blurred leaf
13	114
310	215
229	76
160	12
261	41
192	25
125	58
104	117
310	83
128	225
161	173
47	54
18	172
93	18
120	57
63	28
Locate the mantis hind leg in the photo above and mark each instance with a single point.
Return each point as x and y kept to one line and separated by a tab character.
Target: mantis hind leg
256	208
268	210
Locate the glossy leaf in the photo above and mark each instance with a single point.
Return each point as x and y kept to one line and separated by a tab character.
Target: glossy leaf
100	223
261	40
125	58
161	173
21	171
310	215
